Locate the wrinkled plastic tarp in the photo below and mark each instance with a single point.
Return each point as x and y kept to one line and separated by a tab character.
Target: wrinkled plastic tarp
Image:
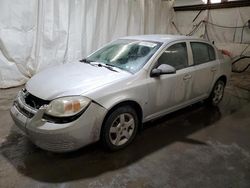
231	38
38	34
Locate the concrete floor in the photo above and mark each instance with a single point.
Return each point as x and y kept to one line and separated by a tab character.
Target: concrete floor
198	146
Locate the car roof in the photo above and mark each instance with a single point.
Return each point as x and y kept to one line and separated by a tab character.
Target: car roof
161	38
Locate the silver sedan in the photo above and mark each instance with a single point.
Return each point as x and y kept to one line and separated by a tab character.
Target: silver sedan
111	93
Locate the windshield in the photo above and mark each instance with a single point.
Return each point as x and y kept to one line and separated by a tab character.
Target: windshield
129	55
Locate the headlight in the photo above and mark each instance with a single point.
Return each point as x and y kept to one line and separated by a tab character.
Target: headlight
67	106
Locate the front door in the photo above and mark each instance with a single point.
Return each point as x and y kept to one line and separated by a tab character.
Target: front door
168	92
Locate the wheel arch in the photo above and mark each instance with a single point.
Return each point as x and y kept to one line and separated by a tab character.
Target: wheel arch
223	78
135	105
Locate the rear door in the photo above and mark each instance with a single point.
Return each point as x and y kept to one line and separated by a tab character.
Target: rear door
206	68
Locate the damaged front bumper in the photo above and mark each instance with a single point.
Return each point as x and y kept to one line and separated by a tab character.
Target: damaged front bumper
58	137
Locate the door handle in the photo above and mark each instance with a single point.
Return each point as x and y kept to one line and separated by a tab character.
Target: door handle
213	69
187	76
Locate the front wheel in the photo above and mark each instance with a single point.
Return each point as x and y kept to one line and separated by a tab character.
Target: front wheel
217	93
120	128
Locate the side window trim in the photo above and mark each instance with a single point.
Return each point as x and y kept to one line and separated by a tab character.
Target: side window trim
190	54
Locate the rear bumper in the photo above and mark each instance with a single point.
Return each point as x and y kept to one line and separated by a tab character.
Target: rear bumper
61	137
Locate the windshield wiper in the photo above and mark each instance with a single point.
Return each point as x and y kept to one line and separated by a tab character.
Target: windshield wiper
84	60
104	65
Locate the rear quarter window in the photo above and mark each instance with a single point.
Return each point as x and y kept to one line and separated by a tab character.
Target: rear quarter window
202	52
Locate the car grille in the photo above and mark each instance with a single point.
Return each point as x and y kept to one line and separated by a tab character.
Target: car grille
34	101
24	111
28	103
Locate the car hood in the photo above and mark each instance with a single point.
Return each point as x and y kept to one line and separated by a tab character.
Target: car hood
71	79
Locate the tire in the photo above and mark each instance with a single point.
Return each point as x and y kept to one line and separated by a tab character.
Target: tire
119	128
217	93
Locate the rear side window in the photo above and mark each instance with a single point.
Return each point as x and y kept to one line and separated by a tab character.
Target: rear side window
176	56
202	52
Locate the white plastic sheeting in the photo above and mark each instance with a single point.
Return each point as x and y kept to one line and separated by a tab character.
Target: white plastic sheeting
41	33
231	38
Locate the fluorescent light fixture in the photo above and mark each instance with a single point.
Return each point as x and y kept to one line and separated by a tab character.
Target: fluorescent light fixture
212	1
215	1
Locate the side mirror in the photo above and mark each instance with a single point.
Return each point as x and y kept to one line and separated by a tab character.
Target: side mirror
162	69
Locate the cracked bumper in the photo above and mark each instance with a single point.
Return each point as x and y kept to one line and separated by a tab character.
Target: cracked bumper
61	137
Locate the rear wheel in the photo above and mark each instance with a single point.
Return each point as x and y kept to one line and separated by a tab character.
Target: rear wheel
217	93
119	128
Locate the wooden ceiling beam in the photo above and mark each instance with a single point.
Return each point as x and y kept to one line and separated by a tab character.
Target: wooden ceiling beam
230	4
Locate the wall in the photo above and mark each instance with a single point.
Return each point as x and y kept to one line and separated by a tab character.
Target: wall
37	34
229	37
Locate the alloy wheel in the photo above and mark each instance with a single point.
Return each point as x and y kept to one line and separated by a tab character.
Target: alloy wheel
218	92
122	129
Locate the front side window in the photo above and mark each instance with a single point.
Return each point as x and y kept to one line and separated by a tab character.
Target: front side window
202	52
129	55
176	56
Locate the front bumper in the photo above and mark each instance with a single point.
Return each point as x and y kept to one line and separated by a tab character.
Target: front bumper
59	137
